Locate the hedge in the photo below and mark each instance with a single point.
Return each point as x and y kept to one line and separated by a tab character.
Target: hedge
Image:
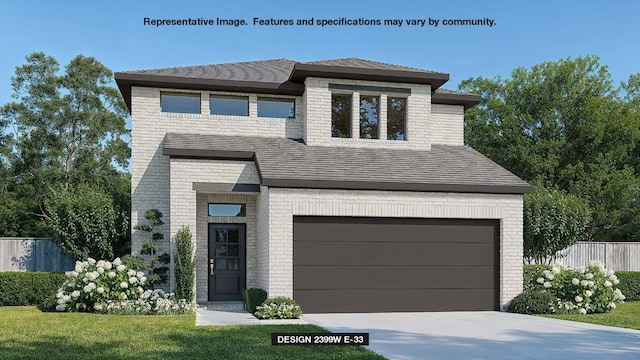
29	288
629	284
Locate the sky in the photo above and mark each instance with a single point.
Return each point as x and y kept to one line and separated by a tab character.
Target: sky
523	34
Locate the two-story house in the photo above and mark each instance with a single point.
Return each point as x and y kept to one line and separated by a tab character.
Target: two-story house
344	184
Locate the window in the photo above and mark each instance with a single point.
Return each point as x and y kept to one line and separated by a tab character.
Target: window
396	118
229	105
340	116
227	210
369	117
276	108
180	103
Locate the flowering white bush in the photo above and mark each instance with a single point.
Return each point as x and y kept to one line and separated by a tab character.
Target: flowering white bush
150	302
583	290
92	282
111	288
278	308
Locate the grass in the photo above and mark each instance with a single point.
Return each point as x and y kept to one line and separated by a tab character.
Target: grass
28	333
626	315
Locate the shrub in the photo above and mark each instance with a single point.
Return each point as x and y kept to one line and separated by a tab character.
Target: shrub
28	288
93	283
584	290
533	302
134	262
278	308
156	267
151	302
252	298
531	273
629	284
185	266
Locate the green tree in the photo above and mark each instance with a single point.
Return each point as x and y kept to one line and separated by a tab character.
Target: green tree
156	269
84	222
185	265
62	131
565	125
553	221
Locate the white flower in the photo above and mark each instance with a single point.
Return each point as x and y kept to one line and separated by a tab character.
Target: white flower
555	270
66	298
107	265
140	289
87	289
133	279
591	283
588	276
588	293
117	262
91	261
75	294
582	311
111	274
100	270
97	307
120	267
60	307
548	274
607	283
60	301
616	282
547	284
610	272
612	305
131	273
124	285
123	296
579	298
89	276
613	277
584	283
143	279
78	267
59	295
139	274
575	281
100	290
540	280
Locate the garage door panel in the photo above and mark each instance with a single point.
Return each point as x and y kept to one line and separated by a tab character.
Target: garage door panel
335	301
392	277
381	253
319	229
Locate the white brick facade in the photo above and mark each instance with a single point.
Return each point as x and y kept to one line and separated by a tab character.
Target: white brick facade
167	184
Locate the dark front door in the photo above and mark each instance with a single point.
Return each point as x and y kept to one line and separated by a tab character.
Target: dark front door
226	261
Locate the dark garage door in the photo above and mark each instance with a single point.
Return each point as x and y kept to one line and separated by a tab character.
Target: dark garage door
343	264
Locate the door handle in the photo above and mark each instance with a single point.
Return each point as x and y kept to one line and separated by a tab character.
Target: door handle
212	268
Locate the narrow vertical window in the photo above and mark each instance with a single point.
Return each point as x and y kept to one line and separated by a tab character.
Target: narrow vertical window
340	116
396	118
369	117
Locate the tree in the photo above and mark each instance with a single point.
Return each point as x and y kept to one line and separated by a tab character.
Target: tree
84	222
565	125
185	265
156	264
62	131
553	221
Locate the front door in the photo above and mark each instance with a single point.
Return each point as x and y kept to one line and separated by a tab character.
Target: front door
226	261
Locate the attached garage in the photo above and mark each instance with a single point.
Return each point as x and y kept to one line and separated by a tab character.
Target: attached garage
370	264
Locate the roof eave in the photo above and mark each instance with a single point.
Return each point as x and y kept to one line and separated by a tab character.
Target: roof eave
301	71
466	100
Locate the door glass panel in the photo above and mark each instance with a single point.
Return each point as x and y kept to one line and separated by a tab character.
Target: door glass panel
233	236
221	250
221	235
233	250
234	264
221	264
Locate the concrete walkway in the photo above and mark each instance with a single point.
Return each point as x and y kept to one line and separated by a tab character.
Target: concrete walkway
484	335
206	317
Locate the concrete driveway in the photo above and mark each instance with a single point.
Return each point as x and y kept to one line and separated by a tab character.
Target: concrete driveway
483	335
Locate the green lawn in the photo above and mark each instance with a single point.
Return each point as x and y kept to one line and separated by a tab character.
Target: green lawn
626	315
27	333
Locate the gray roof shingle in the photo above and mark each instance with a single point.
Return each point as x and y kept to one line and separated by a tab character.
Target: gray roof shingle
288	163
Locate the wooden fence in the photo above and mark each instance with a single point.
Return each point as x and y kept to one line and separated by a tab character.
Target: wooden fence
619	256
32	254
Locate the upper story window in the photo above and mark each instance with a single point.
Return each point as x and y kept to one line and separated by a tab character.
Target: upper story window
369	106
180	103
340	115
396	118
276	108
229	105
